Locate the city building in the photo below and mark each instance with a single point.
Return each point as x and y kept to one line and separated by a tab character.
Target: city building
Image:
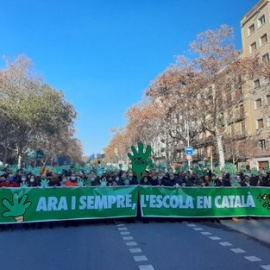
255	27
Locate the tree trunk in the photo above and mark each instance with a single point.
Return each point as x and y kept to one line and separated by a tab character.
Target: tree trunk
19	161
220	151
19	156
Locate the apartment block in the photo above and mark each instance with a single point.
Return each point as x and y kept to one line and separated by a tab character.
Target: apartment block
255	28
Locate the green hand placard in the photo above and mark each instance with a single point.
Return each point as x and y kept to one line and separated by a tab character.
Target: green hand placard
81	183
212	184
17	208
140	159
103	183
44	183
24	185
235	184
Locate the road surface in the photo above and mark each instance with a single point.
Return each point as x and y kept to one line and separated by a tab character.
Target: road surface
122	245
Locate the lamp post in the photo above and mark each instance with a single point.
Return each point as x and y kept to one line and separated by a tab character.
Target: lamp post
188	142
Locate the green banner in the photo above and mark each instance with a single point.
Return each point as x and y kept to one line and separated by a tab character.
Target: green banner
204	202
50	204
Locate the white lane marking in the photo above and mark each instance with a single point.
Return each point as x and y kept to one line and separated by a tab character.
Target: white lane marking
191	225
140	258
225	244
237	250
128	238
197	229
125	233
135	250
214	238
253	259
206	233
122	229
146	267
266	267
130	244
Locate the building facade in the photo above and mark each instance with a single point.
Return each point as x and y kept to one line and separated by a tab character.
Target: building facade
255	28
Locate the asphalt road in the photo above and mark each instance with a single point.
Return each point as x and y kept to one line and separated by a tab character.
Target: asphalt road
159	245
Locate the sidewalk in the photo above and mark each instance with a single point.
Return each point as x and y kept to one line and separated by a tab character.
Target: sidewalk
256	228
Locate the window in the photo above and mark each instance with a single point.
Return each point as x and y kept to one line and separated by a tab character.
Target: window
256	83
229	99
263	39
260	123
232	130
262	144
268	121
261	21
268	99
242	110
253	47
251	29
258	103
243	127
265	58
233	95
238	94
221	119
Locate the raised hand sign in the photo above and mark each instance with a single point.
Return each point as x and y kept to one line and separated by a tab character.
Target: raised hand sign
140	159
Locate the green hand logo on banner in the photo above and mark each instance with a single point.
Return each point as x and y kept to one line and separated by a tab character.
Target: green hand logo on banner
140	160
17	208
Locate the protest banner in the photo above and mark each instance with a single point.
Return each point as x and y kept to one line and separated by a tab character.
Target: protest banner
51	204
204	202
56	204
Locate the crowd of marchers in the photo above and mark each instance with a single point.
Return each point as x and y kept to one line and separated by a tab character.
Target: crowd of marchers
185	179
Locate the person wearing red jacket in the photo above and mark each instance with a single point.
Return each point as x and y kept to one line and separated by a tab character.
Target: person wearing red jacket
2	181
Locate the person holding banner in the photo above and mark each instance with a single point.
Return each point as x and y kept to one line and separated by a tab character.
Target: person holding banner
72	181
154	180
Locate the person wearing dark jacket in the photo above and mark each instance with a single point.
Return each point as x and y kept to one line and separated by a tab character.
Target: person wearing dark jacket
154	180
133	180
245	182
145	181
54	181
226	182
168	181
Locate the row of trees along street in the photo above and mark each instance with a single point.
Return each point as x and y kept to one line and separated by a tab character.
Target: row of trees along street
33	115
197	98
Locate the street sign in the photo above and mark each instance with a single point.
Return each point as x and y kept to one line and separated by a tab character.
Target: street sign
189	151
35	154
40	154
189	157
